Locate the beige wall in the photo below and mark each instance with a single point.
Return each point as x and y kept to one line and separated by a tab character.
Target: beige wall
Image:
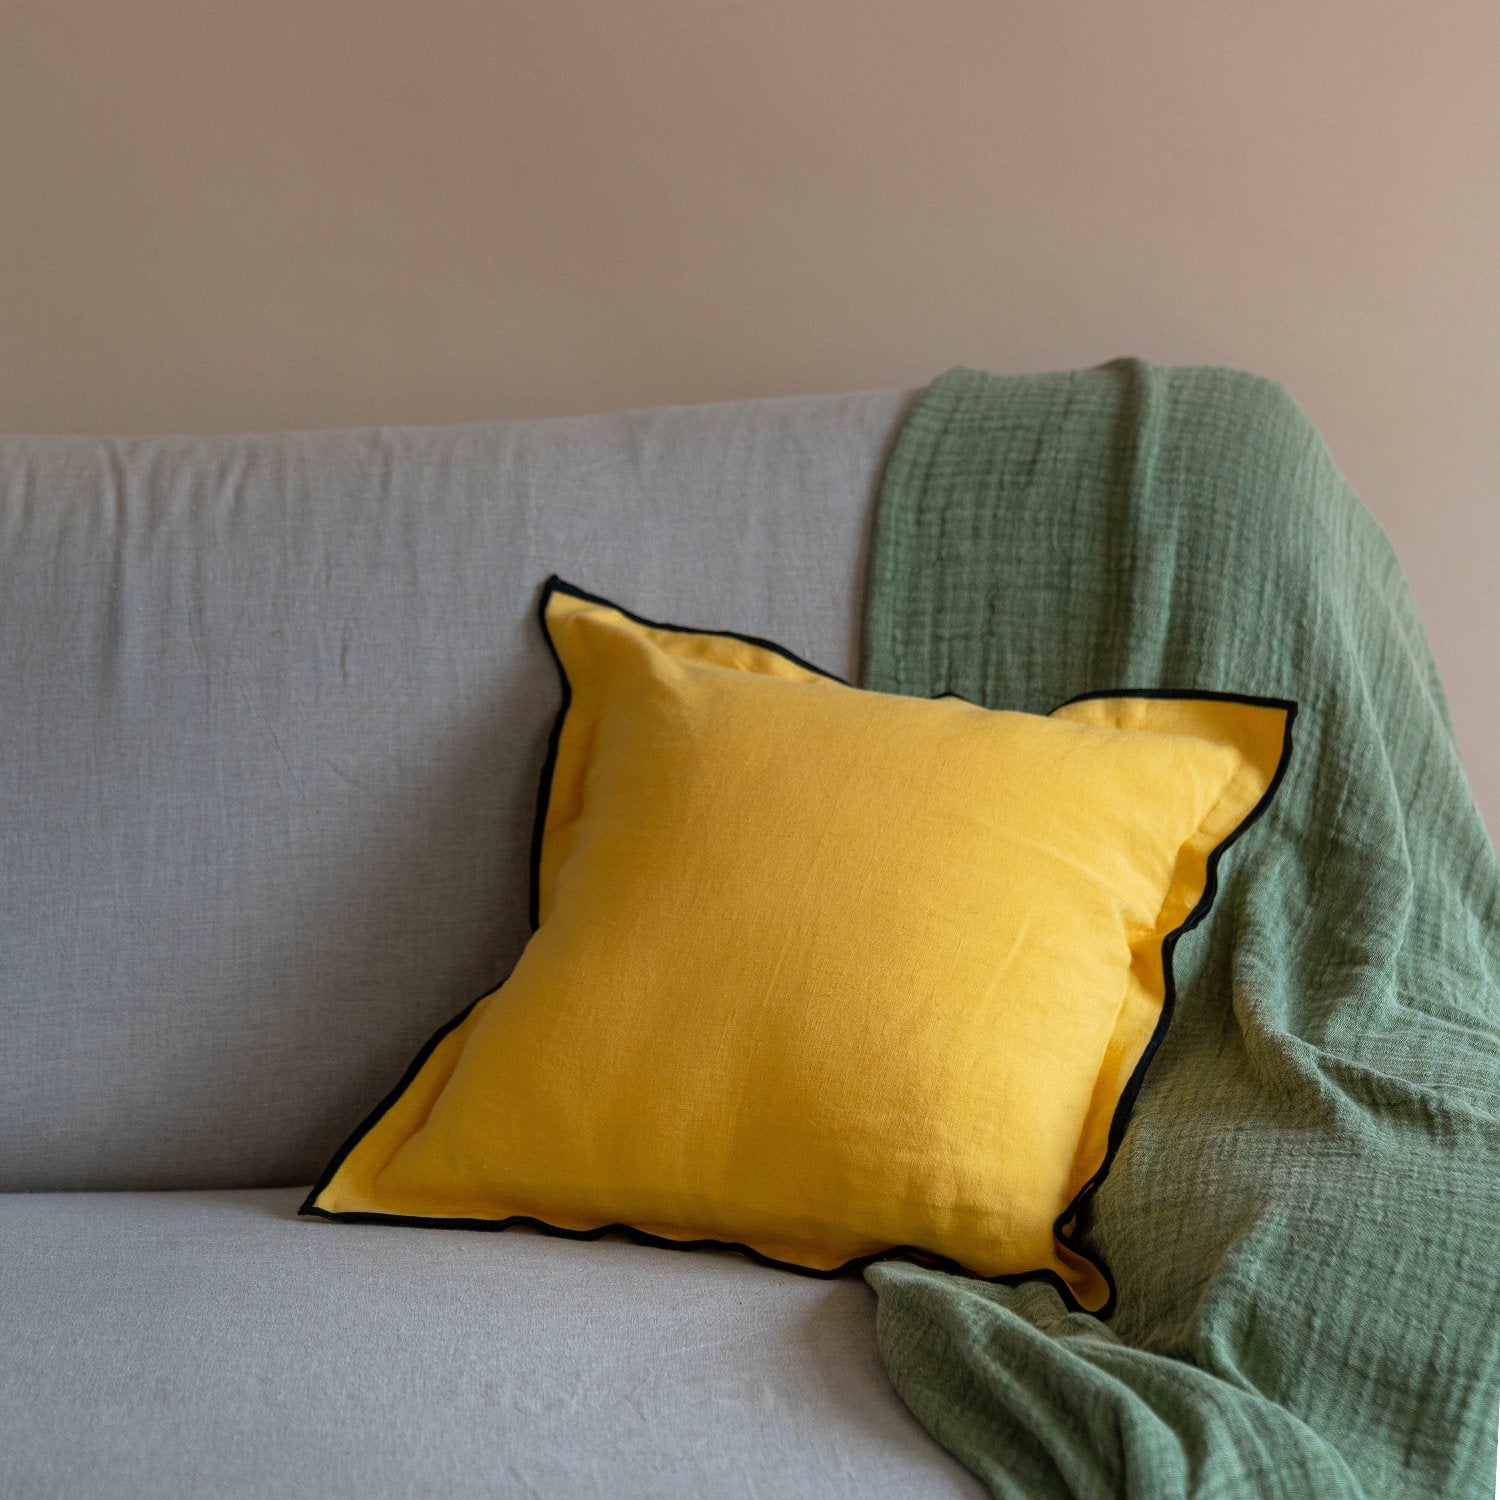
263	214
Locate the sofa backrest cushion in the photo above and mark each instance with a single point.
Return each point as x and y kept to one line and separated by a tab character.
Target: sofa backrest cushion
274	709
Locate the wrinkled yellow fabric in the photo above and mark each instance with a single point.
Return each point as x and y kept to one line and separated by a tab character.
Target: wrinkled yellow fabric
821	972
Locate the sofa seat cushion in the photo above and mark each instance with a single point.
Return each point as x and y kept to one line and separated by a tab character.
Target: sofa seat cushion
210	1343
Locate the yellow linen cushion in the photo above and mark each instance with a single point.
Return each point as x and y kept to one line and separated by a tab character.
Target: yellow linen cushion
821	974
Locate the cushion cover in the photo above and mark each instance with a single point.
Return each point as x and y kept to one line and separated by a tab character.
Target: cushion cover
821	974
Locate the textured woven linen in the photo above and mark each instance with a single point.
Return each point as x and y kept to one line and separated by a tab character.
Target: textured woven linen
824	973
272	710
177	1346
1304	1216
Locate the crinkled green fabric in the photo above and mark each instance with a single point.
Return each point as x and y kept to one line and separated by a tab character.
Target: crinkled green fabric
1304	1217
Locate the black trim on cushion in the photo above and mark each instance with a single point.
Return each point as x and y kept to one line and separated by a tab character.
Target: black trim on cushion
1066	1228
912	1253
555	585
368	1123
549	764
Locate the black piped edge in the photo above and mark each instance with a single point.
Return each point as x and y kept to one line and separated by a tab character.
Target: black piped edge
1066	1228
555	585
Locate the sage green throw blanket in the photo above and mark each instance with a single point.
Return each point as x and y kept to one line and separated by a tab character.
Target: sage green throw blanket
1304	1218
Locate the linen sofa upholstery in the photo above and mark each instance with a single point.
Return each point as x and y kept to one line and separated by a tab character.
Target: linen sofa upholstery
274	711
205	1344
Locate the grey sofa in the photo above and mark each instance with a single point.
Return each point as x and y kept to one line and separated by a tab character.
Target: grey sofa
272	711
